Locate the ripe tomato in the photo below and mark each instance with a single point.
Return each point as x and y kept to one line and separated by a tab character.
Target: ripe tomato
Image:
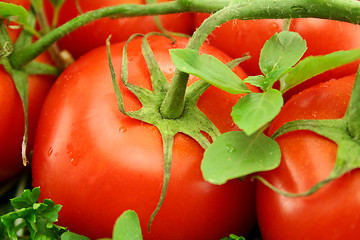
322	37
333	212
12	114
95	33
97	162
239	37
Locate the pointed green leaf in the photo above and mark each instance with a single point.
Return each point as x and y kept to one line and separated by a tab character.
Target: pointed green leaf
127	227
256	109
73	236
235	155
314	65
13	12
208	68
283	50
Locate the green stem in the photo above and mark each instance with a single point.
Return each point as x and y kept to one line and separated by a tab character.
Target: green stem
343	10
28	53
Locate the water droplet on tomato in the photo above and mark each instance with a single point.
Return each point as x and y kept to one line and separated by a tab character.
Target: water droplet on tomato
229	148
74	162
274	26
122	129
50	151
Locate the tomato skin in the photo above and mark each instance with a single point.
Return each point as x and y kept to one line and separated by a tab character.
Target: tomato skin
97	162
238	37
95	33
12	114
307	158
322	37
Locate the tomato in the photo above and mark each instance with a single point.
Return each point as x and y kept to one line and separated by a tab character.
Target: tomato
322	37
12	114
333	212
95	33
239	37
97	162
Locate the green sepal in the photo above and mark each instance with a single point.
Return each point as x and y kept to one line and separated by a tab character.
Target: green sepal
353	111
192	121
348	153
236	155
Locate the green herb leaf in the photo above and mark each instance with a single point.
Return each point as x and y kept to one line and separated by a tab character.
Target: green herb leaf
235	155
282	51
127	227
73	236
13	12
314	65
256	109
209	69
37	217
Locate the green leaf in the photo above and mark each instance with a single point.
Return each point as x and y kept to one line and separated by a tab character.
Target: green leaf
314	65
235	155
37	217
13	12
28	199
73	236
257	81
209	69
282	51
256	109
127	227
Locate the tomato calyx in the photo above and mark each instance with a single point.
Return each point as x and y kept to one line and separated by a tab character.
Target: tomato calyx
192	121
344	132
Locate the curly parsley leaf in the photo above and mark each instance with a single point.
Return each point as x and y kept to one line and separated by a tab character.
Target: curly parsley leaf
38	218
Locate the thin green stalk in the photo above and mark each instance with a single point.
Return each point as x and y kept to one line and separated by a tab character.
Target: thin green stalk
343	10
28	53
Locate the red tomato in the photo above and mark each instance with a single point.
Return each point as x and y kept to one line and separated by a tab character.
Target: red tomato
239	37
12	114
333	212
322	37
97	162
95	33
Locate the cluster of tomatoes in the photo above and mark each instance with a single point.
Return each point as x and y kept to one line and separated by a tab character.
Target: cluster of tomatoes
97	162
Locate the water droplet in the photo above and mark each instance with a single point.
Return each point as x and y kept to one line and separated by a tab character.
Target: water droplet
274	26
50	151
122	129
230	148
74	162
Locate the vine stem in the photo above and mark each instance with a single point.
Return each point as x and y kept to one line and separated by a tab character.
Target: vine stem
343	10
346	10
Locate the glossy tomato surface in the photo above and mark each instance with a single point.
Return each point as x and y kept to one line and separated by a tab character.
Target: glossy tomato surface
12	114
97	162
323	37
240	37
333	212
95	33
